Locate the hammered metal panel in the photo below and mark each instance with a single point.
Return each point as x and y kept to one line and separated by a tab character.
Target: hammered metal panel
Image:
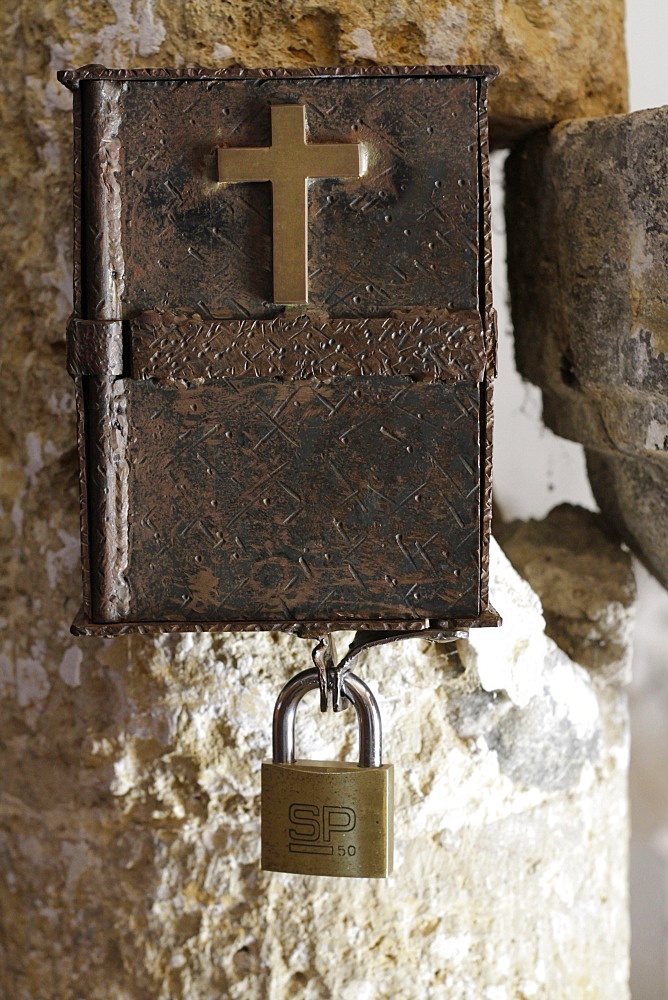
73	78
428	348
419	197
94	347
304	501
260	468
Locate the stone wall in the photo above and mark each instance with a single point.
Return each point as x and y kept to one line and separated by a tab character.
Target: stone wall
130	767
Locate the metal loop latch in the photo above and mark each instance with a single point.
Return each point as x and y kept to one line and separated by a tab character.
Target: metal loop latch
357	692
330	674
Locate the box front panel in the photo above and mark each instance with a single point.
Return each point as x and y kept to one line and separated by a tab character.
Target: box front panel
349	492
303	500
403	236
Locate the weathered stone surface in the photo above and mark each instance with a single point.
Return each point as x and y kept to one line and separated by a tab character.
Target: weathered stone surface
587	209
130	767
559	60
631	490
585	582
130	824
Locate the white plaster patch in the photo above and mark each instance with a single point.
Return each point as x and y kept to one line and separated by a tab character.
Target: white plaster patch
139	32
167	794
152	31
221	52
365	48
35	461
449	950
70	667
529	988
65	558
571	688
111	37
203	718
495	993
511	658
32	683
188	642
656	438
522	661
62	55
55	97
125	775
446	37
61	404
45	96
359	990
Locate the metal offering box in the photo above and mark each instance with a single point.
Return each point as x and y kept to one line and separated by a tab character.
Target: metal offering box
283	346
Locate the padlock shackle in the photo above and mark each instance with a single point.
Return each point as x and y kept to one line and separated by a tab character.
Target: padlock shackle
354	688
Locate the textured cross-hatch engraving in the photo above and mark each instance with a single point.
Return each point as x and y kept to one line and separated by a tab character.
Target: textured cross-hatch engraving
440	347
271	468
178	219
286	512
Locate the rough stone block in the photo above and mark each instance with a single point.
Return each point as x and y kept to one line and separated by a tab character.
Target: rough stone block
585	583
587	208
558	60
130	823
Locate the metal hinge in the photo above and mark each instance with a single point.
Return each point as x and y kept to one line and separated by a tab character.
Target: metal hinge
94	347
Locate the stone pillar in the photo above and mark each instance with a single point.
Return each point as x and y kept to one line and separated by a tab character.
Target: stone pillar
588	268
130	767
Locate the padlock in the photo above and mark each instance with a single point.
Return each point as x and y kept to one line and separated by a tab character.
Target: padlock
327	817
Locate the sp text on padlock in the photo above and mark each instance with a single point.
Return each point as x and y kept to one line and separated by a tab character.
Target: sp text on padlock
315	830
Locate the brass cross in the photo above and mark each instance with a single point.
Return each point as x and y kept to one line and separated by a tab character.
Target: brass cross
288	164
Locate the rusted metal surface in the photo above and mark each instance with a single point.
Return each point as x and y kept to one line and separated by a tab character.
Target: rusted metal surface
405	237
490	335
304	500
254	468
87	607
95	347
79	392
368	634
438	348
72	78
103	287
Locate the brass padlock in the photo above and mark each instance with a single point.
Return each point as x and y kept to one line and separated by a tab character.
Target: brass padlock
327	817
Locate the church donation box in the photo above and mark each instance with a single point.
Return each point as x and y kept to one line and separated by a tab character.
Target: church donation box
283	345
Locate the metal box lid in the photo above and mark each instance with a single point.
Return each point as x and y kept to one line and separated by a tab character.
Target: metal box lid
284	353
